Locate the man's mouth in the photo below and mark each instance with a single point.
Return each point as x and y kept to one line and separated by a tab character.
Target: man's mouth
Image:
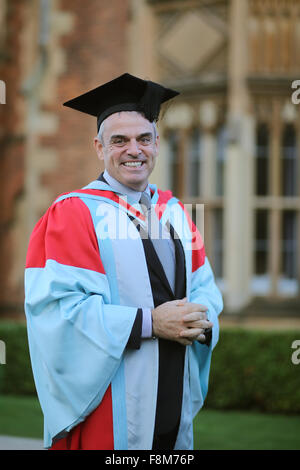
133	164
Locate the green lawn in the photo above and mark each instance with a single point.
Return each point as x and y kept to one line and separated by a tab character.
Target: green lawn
242	430
21	416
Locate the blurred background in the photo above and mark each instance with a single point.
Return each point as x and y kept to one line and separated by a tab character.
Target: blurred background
231	141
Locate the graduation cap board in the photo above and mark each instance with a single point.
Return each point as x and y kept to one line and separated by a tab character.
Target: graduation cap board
124	93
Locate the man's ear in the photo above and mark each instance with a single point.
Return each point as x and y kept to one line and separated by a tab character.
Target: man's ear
99	148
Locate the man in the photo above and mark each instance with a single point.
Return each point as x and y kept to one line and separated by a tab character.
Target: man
121	302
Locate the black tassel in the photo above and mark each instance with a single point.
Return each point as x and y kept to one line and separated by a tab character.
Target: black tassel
151	100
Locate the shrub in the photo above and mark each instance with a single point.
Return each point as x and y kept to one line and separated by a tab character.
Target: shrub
250	369
16	375
253	370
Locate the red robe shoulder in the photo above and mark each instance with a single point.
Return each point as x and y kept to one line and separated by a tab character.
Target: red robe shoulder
65	234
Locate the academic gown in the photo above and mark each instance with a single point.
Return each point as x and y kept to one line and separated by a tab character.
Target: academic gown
83	285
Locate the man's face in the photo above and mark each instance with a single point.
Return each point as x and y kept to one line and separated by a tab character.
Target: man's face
128	148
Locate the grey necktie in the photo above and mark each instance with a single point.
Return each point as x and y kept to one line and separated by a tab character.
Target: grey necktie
163	246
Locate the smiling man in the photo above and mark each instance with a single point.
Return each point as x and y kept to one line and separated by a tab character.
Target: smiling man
128	144
121	329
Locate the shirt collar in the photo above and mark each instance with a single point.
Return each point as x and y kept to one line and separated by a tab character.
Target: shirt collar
132	194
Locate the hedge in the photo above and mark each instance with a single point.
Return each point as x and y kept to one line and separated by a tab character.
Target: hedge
16	375
250	369
254	370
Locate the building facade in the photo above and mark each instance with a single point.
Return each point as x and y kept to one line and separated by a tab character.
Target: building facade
230	141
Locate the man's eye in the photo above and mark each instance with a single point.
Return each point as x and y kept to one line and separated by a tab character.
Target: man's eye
146	140
118	141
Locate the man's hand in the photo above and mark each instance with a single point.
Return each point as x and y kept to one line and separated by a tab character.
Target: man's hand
179	320
195	324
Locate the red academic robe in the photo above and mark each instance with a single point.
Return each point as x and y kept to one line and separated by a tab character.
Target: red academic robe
94	433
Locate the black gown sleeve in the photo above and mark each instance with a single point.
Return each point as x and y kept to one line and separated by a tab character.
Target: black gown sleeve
134	341
208	336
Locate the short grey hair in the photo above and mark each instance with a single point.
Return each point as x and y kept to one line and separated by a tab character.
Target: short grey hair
101	130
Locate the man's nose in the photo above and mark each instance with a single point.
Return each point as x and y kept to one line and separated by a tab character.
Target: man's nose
133	148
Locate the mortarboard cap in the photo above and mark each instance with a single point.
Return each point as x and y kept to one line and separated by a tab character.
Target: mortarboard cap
124	93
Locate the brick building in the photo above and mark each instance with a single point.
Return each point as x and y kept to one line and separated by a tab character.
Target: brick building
49	52
231	141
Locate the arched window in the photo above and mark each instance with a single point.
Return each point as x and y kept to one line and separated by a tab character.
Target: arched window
276	217
261	280
289	161
173	147
262	160
289	244
218	243
194	164
220	159
261	241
